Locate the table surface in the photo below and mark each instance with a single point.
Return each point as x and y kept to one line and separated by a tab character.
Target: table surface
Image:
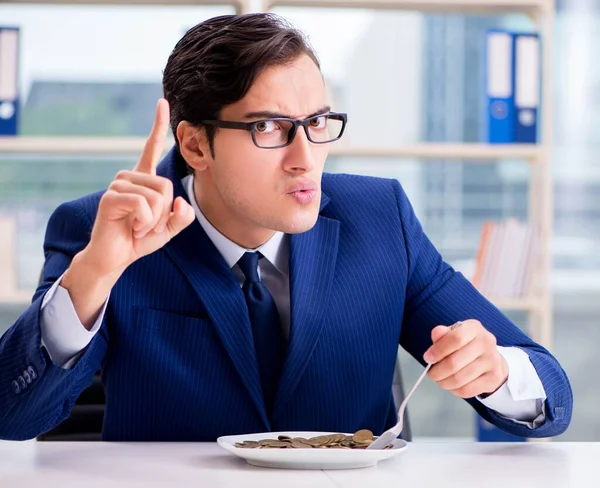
424	463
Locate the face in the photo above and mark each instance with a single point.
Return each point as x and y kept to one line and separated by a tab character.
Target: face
248	192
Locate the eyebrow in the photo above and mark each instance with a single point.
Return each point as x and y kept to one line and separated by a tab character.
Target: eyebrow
265	114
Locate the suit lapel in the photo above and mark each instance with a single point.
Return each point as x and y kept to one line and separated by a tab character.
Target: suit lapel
199	260
312	264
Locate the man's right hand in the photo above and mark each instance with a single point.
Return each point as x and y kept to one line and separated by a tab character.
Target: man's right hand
136	216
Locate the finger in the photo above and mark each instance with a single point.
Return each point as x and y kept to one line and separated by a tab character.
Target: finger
155	201
466	375
181	217
474	388
162	185
159	183
451	342
438	332
155	143
128	204
142	214
456	361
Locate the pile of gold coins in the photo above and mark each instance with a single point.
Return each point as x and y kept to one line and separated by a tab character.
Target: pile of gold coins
360	440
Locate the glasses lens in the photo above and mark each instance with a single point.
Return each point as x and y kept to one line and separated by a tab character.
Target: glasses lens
272	133
325	128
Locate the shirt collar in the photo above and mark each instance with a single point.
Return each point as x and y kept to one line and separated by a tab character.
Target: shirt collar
275	250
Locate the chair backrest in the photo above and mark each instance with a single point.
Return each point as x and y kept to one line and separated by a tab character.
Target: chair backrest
398	391
86	418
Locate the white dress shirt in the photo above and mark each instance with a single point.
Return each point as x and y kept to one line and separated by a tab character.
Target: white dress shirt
520	399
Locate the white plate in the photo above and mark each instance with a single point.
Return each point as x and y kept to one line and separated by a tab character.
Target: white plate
307	458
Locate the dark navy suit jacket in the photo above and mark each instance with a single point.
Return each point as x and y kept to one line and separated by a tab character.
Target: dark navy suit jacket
175	346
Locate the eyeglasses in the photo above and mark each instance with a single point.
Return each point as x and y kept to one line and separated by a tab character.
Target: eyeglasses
280	132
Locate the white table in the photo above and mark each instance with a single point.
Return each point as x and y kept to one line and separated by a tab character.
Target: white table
423	464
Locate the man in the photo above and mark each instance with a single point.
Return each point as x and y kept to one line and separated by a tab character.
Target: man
235	288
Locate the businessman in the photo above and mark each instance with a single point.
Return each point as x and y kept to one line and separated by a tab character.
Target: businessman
232	287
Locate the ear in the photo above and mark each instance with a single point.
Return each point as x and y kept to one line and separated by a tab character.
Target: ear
193	145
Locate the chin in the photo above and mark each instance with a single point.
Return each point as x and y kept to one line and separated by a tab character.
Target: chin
297	224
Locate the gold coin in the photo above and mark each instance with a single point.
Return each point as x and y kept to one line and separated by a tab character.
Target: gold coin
321	440
363	436
300	445
276	444
338	438
248	444
313	442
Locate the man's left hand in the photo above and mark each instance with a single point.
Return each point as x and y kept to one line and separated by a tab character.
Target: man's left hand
466	360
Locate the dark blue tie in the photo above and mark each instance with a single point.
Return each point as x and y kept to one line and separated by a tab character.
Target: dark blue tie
266	327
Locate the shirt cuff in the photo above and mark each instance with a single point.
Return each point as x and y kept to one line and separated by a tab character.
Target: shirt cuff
63	334
521	397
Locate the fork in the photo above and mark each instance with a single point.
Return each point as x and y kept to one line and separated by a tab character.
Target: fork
389	435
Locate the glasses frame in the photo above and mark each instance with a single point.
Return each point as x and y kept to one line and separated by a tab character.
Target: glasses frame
251	127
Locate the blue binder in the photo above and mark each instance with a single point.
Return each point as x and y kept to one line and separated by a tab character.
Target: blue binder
527	87
9	81
499	87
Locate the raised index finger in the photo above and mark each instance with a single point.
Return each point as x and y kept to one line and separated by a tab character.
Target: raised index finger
155	143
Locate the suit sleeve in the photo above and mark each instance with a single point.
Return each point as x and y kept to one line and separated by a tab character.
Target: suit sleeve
63	334
438	295
35	393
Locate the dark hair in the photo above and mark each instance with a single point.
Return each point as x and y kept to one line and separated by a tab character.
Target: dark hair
216	62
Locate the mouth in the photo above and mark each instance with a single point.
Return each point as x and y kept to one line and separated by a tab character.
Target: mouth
304	193
307	186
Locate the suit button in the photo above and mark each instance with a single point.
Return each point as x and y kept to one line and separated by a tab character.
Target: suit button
27	377
16	387
31	372
22	382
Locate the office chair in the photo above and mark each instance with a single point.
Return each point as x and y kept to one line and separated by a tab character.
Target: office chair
398	392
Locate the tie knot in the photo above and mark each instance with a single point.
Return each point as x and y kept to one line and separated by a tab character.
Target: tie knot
248	263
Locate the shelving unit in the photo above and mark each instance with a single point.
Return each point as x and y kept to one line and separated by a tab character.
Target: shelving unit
17	298
539	304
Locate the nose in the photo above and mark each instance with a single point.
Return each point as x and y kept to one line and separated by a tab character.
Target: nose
300	156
